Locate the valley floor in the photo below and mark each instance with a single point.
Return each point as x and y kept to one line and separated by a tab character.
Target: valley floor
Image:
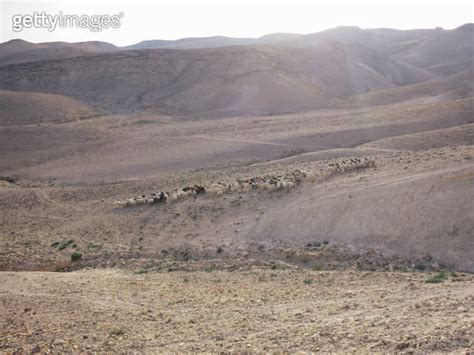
259	309
336	263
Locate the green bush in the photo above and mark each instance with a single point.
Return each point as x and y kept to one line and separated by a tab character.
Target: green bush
438	278
76	256
420	267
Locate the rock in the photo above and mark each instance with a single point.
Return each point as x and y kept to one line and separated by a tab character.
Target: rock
58	342
36	349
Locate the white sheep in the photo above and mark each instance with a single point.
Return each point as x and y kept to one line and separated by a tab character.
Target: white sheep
130	202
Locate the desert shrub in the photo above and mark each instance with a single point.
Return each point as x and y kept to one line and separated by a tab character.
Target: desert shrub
219	250
308	281
142	271
64	245
76	256
420	266
438	278
93	246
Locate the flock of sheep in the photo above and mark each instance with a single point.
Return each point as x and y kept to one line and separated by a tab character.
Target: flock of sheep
267	182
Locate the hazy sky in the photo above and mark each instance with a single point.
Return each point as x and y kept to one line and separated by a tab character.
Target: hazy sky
176	19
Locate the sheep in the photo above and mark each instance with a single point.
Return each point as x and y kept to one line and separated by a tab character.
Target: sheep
140	201
268	182
173	196
245	186
234	186
130	202
180	194
199	189
188	192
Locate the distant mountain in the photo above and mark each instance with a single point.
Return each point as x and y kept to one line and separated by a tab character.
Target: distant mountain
421	48
188	43
19	51
469	27
217	81
212	42
222	76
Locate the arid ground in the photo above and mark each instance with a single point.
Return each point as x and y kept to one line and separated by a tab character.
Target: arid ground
330	194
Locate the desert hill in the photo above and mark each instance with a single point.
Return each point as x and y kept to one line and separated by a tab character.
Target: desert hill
456	86
314	191
24	108
19	51
424	48
216	41
213	82
274	74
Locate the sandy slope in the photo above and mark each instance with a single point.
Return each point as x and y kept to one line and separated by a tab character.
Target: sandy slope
429	215
451	87
460	135
151	144
25	108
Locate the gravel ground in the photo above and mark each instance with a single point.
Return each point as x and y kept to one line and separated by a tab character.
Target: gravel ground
253	310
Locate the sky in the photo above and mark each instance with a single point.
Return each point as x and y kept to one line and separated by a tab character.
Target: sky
165	19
